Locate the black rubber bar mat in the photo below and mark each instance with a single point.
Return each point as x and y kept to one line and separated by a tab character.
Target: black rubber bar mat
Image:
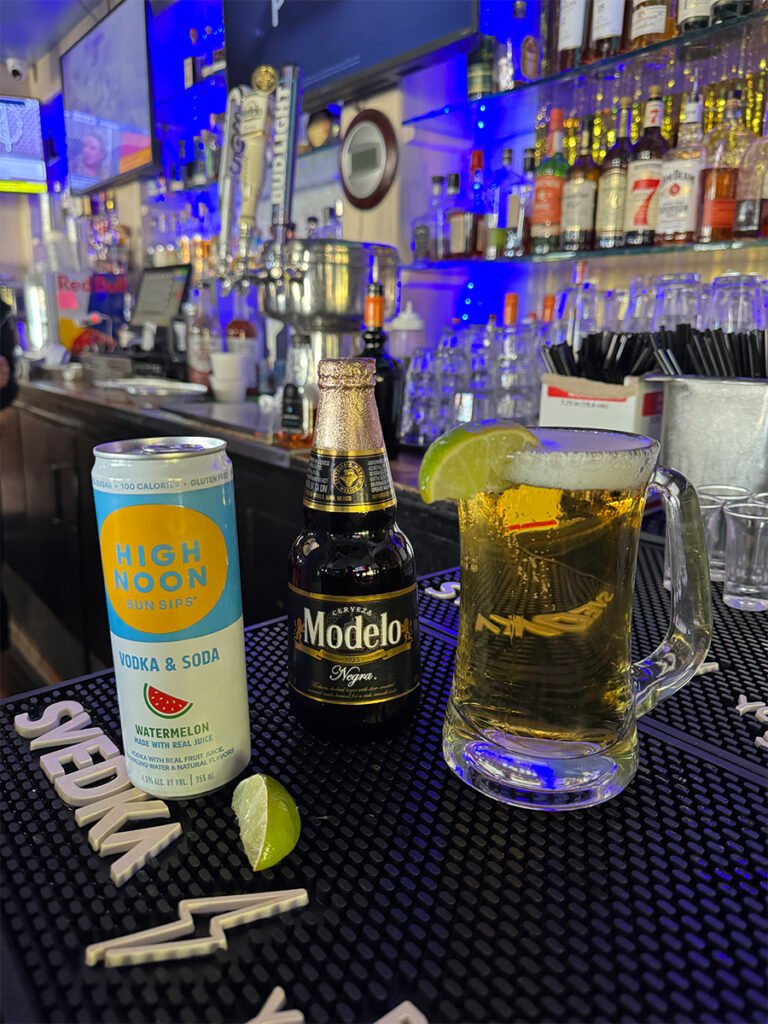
703	712
649	908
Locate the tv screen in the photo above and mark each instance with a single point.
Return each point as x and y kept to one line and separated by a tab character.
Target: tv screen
346	48
107	108
22	164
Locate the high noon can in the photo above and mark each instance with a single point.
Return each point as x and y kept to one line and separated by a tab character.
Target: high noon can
166	514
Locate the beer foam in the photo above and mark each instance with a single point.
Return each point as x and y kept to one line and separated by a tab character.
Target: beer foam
582	460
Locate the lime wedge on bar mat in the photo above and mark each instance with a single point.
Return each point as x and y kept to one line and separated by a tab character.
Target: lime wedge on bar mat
470	458
268	818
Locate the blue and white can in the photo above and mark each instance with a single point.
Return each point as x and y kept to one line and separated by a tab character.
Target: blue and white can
168	537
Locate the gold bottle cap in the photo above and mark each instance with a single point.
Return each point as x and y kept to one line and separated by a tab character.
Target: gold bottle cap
346	373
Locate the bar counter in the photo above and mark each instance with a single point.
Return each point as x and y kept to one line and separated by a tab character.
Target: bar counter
648	908
54	583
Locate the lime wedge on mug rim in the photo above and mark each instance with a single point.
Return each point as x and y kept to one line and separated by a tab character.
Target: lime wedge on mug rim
470	458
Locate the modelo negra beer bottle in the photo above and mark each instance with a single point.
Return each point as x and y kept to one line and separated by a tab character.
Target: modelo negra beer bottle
354	644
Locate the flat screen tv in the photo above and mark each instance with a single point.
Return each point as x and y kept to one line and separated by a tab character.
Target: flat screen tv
22	163
346	48
107	101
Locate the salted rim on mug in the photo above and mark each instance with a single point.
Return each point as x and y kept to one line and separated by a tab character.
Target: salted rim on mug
582	460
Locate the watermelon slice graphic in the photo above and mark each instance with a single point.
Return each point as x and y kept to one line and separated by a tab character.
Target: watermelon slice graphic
164	704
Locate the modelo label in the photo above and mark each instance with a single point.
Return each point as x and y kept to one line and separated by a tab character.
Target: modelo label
349	650
172	579
349	481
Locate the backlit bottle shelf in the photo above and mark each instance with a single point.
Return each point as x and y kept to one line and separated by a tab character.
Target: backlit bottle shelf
591	254
671	63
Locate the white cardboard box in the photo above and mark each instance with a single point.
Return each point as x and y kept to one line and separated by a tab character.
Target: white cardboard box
634	406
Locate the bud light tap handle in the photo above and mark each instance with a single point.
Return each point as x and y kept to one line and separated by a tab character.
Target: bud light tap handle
287	119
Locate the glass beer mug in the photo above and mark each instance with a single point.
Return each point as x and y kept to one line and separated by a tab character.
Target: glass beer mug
544	703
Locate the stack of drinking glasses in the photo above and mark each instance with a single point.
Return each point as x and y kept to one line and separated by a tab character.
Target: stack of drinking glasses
736	531
475	373
674	323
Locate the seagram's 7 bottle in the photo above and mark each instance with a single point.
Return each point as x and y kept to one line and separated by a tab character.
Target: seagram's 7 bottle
353	620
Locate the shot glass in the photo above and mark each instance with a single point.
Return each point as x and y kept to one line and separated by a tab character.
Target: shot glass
712	497
714	534
714	523
746	557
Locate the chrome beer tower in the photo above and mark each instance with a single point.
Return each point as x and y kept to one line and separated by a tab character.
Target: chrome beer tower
317	286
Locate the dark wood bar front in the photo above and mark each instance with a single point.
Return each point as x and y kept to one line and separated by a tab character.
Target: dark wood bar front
53	567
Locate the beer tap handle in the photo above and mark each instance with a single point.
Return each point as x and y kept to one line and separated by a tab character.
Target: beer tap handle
255	130
229	171
287	120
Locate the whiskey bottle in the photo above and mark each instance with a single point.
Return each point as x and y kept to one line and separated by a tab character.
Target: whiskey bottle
571	34
680	189
652	21
751	219
723	151
297	422
579	197
693	14
641	207
548	191
390	379
612	187
606	29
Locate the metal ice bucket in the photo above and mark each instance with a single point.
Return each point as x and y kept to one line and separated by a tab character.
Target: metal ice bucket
715	430
319	285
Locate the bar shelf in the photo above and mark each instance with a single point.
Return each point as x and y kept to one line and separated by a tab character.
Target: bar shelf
730	50
590	254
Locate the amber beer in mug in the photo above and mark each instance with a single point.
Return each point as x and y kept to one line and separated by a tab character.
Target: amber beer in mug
545	699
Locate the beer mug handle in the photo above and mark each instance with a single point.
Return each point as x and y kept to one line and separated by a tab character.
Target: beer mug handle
689	634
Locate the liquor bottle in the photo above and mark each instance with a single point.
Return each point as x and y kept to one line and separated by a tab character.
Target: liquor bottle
390	379
297	420
725	10
455	219
641	206
353	665
477	224
480	66
496	222
606	29
519	55
204	337
519	208
751	220
579	198
652	21
612	186
426	235
241	337
680	189
571	35
548	191
723	151
693	14
331	228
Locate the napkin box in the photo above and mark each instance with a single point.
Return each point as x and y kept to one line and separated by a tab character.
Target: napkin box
634	406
